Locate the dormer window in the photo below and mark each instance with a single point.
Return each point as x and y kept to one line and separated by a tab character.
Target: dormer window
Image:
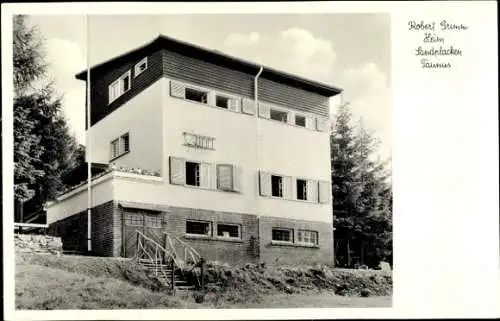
119	87
199	96
279	115
141	66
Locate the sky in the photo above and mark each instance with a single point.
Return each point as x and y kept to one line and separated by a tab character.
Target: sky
350	51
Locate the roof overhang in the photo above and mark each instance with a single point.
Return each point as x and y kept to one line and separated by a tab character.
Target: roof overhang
221	59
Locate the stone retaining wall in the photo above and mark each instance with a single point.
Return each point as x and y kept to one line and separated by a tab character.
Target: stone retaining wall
32	243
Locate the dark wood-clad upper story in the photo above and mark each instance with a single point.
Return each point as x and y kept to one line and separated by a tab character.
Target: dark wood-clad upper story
167	57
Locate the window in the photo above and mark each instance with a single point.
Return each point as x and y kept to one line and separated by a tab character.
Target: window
192	174
276	186
120	146
134	219
282	235
222	102
198	228
115	148
307	237
232	231
125	143
140	67
300	121
155	221
279	115
196	95
198	141
119	87
301	189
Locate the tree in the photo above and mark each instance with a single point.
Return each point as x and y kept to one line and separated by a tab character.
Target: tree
28	68
44	149
362	195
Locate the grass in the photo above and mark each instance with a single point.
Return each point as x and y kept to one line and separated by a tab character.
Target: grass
314	300
80	282
45	288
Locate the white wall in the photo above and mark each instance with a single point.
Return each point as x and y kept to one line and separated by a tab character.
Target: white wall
283	148
141	118
76	201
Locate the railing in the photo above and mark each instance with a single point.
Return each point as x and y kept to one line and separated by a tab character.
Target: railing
189	254
150	251
27	227
190	257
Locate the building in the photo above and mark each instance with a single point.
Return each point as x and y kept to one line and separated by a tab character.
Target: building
238	157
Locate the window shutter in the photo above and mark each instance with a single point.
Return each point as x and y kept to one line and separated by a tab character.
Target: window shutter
310	123
248	106
264	110
177	171
110	94
311	191
324	192
176	89
234	104
237	174
225	177
205	177
114	91
321	124
287	187
265	184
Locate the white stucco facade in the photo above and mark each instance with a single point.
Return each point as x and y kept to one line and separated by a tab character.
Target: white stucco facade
156	122
141	118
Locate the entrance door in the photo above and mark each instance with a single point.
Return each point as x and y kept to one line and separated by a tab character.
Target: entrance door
149	223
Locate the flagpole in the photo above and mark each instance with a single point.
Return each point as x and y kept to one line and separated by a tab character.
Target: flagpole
87	148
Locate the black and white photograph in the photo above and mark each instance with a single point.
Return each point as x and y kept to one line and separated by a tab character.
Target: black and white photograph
211	160
239	161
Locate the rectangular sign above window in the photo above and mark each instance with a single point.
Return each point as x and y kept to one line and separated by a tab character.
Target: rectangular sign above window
199	141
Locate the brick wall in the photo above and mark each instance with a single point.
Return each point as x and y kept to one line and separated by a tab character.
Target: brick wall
73	231
212	248
294	253
254	246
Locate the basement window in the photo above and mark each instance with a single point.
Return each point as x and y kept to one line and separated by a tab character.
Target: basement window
198	228
302	189
192	174
279	115
300	121
282	235
230	231
276	186
196	95
306	237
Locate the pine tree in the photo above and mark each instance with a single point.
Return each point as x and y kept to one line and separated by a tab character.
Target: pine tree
29	67
362	194
43	147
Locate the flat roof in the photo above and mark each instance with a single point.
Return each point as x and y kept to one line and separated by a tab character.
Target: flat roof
221	59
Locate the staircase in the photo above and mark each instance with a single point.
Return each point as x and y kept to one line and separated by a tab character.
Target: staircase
162	263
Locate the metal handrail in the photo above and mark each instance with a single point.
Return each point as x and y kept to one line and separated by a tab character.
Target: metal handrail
188	250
